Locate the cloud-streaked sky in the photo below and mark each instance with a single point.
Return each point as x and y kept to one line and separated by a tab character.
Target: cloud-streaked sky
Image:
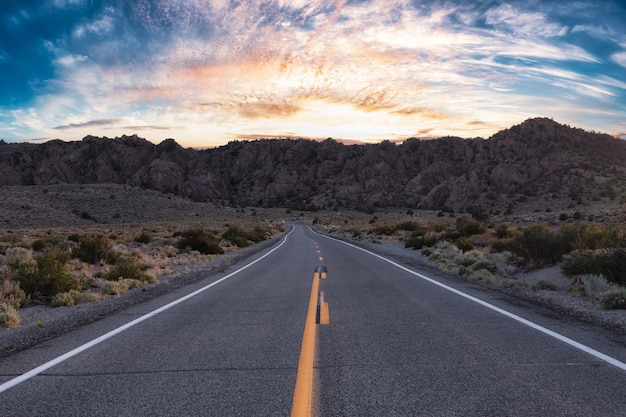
208	71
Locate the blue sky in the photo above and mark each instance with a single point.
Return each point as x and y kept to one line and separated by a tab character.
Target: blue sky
205	72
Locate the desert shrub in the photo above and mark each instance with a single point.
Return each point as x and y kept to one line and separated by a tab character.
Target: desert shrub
383	230
12	294
199	240
356	234
128	267
114	287
483	275
242	238
467	258
610	263
501	244
90	296
427	251
502	231
543	284
17	254
51	240
69	298
47	274
463	270
614	299
591	285
484	265
418	241
258	234
38	245
464	244
536	244
9	317
410	226
468	227
586	235
94	249
143	238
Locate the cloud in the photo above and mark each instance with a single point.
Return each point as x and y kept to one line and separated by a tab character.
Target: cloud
518	22
267	110
347	67
426	112
92	123
620	58
148	127
103	25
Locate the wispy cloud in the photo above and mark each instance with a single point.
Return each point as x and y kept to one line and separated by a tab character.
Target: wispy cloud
153	127
91	123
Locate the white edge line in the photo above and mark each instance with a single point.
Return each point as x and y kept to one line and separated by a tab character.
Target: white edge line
558	336
38	370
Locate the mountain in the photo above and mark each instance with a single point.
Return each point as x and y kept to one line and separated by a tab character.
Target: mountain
538	159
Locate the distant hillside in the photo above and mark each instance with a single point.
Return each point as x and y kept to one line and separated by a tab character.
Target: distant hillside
538	159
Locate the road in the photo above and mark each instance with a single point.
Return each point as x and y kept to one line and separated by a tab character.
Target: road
391	342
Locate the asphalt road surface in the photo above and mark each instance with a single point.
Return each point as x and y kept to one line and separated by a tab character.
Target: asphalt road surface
388	341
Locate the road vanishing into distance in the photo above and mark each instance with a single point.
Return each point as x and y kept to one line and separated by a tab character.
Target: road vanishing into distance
316	326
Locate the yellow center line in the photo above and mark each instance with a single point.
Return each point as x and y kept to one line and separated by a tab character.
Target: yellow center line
303	392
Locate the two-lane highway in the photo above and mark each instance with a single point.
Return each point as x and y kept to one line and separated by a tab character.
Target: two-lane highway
391	344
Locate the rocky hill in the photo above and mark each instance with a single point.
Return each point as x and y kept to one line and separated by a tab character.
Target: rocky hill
539	160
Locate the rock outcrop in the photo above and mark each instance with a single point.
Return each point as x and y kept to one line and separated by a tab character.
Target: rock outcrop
538	159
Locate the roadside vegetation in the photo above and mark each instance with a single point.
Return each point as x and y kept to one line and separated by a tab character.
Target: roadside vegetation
591	255
67	269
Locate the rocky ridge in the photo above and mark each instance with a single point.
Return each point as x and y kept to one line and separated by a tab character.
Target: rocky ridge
538	160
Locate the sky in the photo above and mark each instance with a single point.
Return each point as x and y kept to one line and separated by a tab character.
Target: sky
206	72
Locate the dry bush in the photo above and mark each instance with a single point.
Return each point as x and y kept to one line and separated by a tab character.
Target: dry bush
69	298
12	294
9	317
91	296
127	266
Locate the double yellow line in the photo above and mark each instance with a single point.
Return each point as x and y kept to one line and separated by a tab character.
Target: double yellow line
302	405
